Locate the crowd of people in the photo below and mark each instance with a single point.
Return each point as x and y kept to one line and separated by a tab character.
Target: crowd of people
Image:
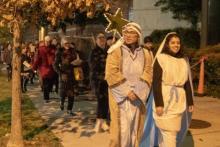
127	78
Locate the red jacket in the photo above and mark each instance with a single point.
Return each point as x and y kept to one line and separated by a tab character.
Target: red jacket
44	61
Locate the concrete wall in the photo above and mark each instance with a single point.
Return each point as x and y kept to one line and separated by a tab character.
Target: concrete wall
150	17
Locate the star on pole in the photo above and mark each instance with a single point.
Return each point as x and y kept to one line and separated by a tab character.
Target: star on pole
116	22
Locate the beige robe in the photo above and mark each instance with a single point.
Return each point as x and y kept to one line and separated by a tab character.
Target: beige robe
114	78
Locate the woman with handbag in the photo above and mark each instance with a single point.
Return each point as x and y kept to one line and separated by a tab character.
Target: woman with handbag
64	67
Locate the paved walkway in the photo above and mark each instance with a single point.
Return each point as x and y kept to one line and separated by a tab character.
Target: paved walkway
77	131
205	126
74	131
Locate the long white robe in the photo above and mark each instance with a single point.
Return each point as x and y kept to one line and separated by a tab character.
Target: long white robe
132	69
175	75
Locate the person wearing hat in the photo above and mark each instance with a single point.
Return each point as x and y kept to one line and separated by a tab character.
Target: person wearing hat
64	67
129	75
44	62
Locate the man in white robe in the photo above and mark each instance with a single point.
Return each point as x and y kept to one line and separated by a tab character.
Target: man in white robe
129	76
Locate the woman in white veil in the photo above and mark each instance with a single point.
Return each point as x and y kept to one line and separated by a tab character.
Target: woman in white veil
152	135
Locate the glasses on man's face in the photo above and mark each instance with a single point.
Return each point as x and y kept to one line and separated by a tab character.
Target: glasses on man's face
130	33
101	37
67	44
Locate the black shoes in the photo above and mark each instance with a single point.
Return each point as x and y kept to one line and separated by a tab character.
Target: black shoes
25	88
71	113
47	101
61	107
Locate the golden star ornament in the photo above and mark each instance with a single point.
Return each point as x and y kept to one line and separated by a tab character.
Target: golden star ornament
116	22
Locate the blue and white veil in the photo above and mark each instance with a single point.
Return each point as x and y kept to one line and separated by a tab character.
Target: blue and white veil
150	133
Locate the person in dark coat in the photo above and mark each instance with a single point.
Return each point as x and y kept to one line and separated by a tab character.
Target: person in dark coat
97	63
25	68
54	43
44	62
63	65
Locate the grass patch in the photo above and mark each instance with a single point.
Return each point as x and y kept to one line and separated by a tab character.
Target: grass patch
35	132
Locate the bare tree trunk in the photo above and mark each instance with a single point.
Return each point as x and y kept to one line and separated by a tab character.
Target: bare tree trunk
16	137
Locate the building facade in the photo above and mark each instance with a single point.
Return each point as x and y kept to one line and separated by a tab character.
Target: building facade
151	18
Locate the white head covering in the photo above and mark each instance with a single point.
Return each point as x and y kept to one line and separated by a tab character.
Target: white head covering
131	25
162	46
54	41
64	40
136	27
159	52
47	38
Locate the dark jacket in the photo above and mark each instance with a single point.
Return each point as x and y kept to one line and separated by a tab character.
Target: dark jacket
24	58
63	59
63	67
97	63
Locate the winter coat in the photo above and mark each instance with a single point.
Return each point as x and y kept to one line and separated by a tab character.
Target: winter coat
64	67
44	61
97	63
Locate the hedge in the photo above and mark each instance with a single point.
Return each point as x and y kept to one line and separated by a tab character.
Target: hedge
212	69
